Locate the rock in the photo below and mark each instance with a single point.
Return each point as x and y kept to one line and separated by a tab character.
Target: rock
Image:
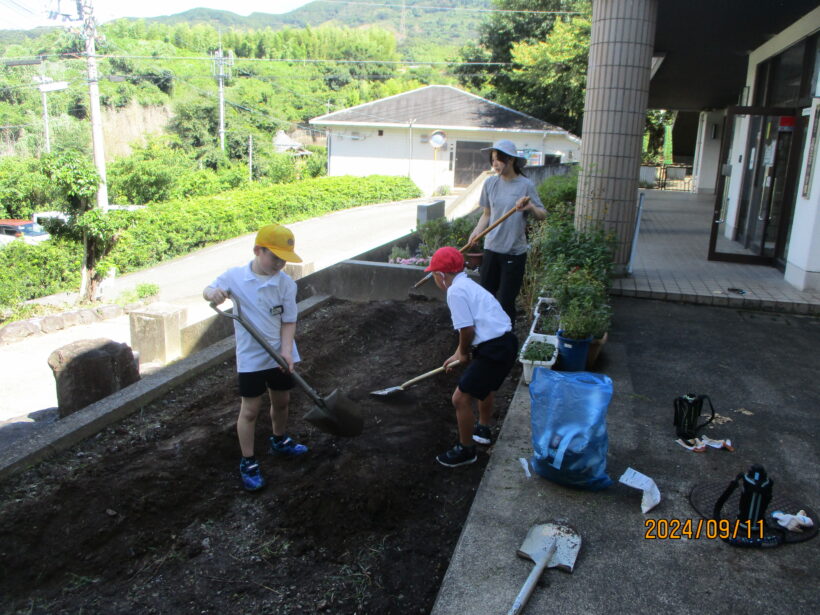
71	319
109	311
51	323
16	331
88	317
89	370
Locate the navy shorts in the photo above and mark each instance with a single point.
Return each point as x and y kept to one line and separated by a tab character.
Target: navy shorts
253	384
491	364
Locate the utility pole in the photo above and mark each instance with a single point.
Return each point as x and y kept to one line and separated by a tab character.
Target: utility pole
47	84
222	71
85	10
250	158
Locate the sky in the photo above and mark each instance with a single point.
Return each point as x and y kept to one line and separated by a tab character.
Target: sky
26	14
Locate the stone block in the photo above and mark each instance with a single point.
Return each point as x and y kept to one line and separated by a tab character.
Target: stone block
429	211
299	270
155	332
88	317
51	323
16	331
86	371
109	311
71	319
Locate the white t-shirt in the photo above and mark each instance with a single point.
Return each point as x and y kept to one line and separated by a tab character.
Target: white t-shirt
471	305
267	302
499	195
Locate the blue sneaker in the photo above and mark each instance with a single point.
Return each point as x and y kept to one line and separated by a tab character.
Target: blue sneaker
287	447
252	479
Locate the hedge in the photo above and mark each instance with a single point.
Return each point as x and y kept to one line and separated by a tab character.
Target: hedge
173	228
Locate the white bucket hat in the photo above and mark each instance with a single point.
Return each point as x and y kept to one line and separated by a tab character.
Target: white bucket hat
505	146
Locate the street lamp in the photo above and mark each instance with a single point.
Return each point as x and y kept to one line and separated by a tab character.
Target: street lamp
47	84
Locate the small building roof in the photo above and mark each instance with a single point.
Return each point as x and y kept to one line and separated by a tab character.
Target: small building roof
438	107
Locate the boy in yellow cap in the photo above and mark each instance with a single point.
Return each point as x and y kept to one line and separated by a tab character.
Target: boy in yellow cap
268	298
486	345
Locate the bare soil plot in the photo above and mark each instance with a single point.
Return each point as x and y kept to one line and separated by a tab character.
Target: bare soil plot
149	516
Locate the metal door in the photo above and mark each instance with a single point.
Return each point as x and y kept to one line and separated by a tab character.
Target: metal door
470	161
761	148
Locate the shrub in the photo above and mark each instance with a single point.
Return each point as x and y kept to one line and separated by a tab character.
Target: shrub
165	230
559	189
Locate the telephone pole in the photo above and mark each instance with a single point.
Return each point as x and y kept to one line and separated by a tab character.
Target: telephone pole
85	11
222	71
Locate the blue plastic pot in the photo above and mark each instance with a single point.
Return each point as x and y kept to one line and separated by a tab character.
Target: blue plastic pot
573	353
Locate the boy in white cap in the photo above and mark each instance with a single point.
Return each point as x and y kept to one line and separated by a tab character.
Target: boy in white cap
268	298
505	247
486	345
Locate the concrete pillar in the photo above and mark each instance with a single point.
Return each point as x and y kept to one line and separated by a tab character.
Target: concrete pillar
155	332
429	211
620	59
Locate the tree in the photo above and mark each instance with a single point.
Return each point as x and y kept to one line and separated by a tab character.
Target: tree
76	178
658	124
553	47
550	77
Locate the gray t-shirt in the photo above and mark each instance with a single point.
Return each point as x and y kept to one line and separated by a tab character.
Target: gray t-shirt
499	195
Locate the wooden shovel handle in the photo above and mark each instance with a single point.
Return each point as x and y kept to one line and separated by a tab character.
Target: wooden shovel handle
477	237
432	372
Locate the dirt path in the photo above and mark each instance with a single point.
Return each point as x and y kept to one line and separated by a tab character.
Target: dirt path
149	516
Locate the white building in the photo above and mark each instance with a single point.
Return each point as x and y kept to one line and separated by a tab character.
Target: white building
434	135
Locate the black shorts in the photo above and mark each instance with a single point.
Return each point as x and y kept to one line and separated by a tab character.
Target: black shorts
491	364
253	384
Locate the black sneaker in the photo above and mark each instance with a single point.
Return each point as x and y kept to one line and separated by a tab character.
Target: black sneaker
252	479
458	456
482	434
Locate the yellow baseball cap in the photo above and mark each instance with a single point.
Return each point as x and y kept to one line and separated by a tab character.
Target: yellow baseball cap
278	240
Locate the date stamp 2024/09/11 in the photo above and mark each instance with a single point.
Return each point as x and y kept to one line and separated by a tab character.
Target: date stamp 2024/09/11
687	529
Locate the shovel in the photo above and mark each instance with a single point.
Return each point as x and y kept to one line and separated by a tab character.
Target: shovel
549	546
334	414
390	390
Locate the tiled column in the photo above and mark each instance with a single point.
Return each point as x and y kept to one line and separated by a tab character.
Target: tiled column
620	58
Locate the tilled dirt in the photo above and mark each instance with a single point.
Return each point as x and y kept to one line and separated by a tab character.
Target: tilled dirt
149	516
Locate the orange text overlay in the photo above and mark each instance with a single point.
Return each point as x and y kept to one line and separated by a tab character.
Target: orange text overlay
689	529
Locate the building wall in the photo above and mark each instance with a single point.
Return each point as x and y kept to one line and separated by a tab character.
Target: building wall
406	151
803	257
707	151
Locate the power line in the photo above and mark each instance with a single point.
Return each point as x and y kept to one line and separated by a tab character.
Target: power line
22	9
450	8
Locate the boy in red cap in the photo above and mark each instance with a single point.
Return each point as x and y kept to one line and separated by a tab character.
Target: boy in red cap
485	335
268	298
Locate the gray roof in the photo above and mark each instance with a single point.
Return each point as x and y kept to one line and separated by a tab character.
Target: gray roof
440	107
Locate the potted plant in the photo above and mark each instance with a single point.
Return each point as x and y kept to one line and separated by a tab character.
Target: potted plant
538	351
546	323
581	319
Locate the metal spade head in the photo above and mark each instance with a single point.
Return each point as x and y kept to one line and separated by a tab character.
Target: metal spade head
539	545
336	415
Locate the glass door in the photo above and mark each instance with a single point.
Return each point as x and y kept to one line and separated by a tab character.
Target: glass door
755	192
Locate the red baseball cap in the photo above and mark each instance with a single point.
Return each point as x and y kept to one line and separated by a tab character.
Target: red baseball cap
447	260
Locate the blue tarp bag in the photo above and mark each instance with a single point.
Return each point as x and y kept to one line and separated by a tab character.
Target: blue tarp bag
569	437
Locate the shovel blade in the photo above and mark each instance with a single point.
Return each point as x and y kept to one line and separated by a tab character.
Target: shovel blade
336	415
386	392
538	545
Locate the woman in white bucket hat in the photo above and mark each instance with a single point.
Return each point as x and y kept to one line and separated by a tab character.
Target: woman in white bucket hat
505	247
